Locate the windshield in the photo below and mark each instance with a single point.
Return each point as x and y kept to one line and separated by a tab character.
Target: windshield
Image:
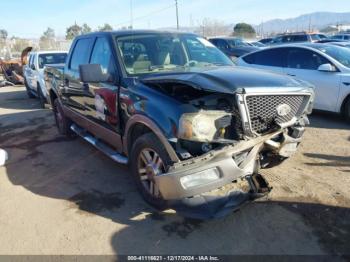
49	59
236	42
147	53
341	54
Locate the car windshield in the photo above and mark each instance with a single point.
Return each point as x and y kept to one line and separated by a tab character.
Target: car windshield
341	54
147	53
49	59
236	42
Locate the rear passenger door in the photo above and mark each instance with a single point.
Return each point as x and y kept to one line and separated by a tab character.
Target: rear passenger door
101	99
74	90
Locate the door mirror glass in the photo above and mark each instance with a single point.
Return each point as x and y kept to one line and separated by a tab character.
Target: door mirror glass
92	73
327	68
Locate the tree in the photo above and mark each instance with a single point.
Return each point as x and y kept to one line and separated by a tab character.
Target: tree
73	31
86	29
105	27
19	44
211	27
244	30
47	40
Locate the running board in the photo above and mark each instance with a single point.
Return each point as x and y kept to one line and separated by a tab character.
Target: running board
99	145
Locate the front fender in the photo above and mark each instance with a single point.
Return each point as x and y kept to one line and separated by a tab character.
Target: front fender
149	123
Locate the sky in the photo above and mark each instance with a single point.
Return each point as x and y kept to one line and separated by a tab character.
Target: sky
30	20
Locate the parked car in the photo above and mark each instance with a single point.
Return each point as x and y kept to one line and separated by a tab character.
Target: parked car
342	44
233	47
325	66
330	40
266	41
256	44
295	38
34	72
174	107
341	37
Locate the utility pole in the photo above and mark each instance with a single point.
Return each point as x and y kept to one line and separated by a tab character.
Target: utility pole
177	15
131	15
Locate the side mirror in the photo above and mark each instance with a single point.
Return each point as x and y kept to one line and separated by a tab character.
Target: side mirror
327	68
32	66
92	73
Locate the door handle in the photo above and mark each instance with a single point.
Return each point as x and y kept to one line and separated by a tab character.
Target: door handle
346	83
291	75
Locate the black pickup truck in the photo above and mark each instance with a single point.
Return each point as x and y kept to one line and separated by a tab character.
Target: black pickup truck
188	122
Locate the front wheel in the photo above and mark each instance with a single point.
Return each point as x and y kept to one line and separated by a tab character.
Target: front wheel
148	160
62	122
346	110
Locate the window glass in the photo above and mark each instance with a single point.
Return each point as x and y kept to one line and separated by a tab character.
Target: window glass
346	37
168	52
102	55
221	44
271	57
338	37
236	42
300	58
30	60
299	38
81	53
49	59
342	55
315	37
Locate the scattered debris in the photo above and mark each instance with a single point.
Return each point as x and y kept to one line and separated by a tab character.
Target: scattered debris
12	69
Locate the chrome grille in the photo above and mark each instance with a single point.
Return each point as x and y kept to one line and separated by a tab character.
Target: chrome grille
263	110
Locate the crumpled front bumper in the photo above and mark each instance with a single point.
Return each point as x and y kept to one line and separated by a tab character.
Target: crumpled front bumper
193	202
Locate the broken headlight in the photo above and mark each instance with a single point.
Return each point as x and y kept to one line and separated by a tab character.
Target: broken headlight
204	126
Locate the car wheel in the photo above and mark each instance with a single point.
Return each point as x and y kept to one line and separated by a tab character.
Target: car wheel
346	110
29	92
62	122
149	159
41	97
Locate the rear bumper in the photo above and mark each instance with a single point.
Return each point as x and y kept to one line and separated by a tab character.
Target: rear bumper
224	162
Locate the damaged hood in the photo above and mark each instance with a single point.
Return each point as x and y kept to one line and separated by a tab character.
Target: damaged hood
224	79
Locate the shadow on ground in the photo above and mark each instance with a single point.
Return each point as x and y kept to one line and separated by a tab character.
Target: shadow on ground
331	160
328	120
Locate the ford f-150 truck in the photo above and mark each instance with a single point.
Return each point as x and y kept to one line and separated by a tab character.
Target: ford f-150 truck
188	122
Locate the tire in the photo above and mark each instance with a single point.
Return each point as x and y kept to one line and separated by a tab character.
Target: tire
143	173
41	97
62	122
346	110
29	92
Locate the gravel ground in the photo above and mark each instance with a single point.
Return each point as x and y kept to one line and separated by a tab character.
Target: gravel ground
61	196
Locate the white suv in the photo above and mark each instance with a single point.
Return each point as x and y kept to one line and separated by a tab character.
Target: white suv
325	66
34	72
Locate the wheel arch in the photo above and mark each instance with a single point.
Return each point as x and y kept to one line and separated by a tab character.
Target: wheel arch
138	125
345	100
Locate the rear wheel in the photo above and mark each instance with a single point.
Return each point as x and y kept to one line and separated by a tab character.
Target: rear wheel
29	92
148	160
346	110
62	122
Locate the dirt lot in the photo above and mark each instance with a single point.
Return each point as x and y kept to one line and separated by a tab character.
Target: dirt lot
61	196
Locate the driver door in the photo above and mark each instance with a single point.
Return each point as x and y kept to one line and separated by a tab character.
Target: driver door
303	64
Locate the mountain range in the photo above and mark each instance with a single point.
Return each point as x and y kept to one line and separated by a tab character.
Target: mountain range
313	21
